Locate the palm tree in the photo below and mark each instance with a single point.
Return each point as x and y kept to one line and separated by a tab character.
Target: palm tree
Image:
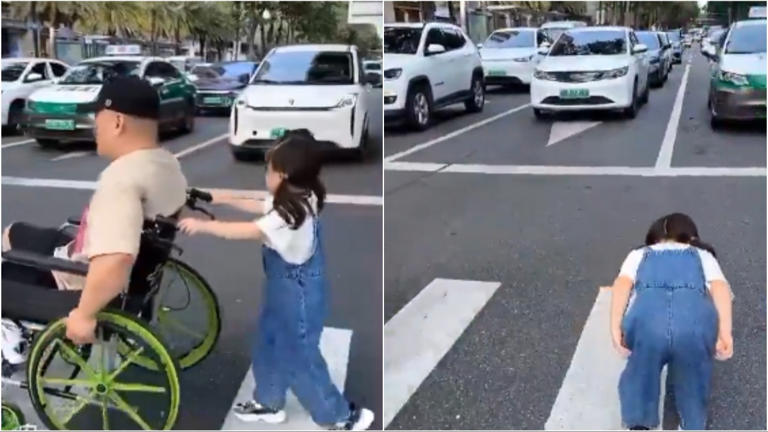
112	18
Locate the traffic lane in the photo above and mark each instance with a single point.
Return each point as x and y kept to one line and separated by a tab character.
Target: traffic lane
588	138
234	271
214	167
398	137
30	160
739	144
507	367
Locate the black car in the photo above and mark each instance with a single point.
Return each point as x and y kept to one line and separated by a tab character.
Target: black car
219	84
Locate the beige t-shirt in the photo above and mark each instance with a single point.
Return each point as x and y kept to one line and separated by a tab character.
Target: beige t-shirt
135	187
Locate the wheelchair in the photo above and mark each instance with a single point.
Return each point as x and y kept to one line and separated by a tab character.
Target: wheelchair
128	378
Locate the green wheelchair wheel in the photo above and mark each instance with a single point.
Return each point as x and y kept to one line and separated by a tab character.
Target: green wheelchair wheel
104	387
13	418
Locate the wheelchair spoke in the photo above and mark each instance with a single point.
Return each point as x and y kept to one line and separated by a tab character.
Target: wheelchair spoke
130	358
75	357
82	401
123	406
165	318
70	382
133	387
104	418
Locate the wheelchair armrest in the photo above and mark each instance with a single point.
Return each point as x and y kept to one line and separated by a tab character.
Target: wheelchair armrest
45	262
73	220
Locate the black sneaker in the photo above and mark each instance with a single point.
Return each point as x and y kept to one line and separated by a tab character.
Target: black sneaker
252	411
639	428
359	419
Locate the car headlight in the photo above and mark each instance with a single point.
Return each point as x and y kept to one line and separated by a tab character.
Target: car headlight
733	78
524	59
393	74
540	74
348	100
616	73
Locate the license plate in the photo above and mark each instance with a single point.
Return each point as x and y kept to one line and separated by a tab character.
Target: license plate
277	133
214	101
57	124
496	72
574	93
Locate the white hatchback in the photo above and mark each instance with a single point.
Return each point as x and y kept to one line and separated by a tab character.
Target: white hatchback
511	54
320	88
589	68
22	77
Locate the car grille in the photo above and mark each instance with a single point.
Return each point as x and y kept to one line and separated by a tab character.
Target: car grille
577	77
289	108
592	100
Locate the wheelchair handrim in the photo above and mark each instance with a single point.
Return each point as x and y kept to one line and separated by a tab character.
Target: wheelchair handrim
117	322
13	418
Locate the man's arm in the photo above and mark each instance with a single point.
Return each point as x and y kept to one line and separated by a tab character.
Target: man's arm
107	277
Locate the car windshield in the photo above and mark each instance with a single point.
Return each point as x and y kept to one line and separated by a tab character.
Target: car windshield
12	71
235	69
99	72
674	36
398	40
511	39
306	67
747	39
595	42
649	39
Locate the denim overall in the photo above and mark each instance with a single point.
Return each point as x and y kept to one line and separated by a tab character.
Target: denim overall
287	352
672	321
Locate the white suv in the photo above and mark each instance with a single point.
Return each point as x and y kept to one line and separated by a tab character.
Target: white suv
21	78
321	88
429	66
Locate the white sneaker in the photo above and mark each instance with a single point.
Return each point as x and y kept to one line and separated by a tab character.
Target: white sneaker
252	411
13	348
360	419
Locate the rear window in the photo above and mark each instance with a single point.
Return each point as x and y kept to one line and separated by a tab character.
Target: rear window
511	39
12	71
649	39
598	42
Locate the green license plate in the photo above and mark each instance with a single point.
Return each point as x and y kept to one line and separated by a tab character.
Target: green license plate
574	93
214	101
57	124
497	72
277	133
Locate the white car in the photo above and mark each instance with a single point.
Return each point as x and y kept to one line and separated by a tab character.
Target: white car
429	66
22	77
510	55
320	88
601	68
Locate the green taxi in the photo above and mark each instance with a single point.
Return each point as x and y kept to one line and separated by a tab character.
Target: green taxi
737	86
64	112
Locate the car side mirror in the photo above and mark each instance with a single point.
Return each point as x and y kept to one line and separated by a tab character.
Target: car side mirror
544	44
33	77
373	78
156	81
55	80
639	48
543	50
435	49
479	45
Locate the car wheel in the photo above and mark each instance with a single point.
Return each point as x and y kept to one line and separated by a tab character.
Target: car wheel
361	151
47	143
715	123
476	100
419	108
246	156
188	122
646	93
15	113
631	110
539	114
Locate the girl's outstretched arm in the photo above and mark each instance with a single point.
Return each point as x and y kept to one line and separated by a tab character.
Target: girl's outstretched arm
620	291
227	230
721	297
248	205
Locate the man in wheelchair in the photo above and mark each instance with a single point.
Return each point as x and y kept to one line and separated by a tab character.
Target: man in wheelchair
142	182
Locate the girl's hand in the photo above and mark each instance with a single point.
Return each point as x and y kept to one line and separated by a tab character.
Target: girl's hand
724	347
618	342
192	226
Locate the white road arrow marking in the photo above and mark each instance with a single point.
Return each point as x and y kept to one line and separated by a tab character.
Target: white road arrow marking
334	344
589	397
423	331
565	129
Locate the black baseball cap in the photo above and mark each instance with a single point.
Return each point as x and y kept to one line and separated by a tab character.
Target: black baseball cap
129	95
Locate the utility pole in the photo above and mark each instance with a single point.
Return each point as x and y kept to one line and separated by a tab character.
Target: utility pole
463	15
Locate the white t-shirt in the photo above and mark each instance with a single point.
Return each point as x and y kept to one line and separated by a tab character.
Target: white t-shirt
709	264
294	245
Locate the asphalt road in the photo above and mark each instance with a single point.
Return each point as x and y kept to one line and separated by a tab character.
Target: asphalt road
352	240
496	203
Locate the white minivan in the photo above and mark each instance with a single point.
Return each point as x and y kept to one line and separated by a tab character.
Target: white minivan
603	68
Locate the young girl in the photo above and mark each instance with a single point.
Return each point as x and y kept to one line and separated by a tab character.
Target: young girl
679	314
287	353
